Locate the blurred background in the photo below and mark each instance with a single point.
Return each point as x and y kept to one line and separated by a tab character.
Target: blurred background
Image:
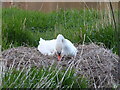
52	6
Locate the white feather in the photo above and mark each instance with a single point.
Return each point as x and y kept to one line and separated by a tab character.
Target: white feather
65	46
60	44
47	47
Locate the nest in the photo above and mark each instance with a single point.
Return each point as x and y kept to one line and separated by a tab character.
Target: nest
96	63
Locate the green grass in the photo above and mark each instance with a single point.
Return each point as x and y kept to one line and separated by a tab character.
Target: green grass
43	78
21	27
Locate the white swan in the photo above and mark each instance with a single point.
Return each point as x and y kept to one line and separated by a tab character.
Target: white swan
47	47
64	47
60	46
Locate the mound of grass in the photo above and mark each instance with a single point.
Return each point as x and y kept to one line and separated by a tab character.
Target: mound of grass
43	78
21	27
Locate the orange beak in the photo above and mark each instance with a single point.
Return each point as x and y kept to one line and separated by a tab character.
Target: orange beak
59	58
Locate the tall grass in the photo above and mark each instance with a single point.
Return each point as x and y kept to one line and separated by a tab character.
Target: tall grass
21	27
51	77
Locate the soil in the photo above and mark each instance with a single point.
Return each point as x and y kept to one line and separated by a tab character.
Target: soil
95	62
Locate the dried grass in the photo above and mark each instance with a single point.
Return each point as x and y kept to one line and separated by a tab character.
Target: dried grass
98	64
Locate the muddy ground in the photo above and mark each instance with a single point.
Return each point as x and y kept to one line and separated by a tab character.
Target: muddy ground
95	62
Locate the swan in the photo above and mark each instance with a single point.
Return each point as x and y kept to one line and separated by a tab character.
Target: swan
59	46
64	47
47	47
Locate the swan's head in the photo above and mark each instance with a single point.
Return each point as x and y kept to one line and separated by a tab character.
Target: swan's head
59	46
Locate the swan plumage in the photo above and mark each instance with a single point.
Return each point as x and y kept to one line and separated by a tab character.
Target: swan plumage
60	46
47	47
64	47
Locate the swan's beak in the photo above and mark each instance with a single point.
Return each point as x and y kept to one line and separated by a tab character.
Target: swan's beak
59	57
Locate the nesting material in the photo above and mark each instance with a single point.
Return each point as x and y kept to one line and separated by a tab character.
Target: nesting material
96	63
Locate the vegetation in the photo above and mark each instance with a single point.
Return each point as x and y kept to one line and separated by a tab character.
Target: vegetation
21	27
43	78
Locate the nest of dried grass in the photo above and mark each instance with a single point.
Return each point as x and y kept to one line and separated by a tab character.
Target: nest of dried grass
96	63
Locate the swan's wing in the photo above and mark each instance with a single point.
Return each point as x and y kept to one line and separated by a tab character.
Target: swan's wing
47	47
41	40
69	48
42	49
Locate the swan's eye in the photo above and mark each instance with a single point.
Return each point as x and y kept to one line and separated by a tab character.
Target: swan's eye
59	53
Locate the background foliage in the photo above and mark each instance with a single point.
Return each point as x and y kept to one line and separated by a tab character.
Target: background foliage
21	27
